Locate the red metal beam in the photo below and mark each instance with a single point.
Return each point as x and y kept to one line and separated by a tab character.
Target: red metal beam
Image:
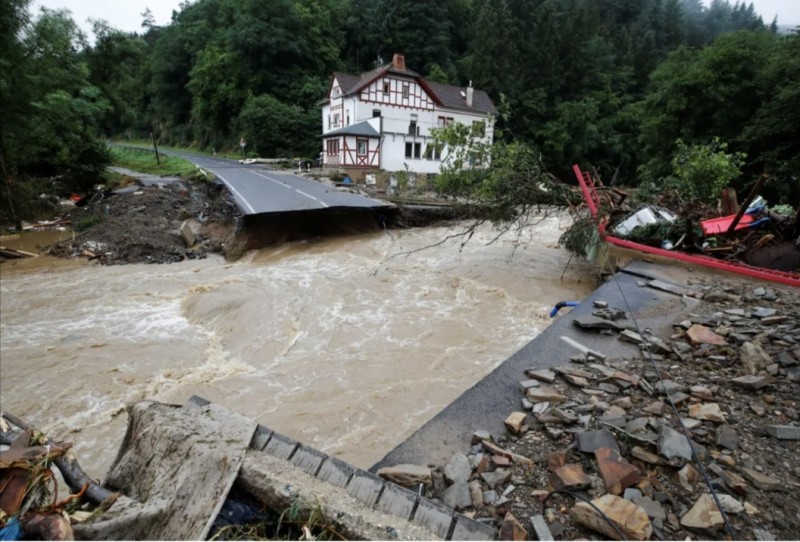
590	195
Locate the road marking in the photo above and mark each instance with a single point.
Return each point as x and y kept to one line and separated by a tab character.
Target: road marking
587	351
290	187
232	189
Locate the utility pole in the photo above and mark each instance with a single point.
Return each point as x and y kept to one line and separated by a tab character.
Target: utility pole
155	147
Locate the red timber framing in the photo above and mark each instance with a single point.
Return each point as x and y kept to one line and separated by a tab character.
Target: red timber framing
370	157
404	93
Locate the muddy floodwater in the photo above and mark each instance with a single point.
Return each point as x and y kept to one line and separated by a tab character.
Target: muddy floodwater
348	345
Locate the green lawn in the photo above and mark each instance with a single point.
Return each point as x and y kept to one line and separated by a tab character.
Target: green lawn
144	161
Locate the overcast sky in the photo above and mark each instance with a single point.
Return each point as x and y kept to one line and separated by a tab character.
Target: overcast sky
126	14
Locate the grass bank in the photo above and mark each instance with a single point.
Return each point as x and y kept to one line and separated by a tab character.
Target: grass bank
145	161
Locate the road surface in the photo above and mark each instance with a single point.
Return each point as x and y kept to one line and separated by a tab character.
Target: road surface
258	189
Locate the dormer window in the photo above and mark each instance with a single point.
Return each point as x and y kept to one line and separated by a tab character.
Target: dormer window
386	87
405	91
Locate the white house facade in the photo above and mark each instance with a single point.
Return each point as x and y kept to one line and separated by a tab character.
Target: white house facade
381	120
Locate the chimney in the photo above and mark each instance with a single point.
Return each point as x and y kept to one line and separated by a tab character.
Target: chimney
470	92
399	62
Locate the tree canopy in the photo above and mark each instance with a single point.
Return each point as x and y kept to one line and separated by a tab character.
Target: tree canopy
612	83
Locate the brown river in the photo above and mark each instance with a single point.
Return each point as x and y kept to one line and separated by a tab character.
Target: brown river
348	345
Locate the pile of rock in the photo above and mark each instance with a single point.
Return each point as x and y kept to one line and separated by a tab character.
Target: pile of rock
598	447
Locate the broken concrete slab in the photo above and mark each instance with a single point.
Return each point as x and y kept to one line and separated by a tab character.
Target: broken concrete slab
195	453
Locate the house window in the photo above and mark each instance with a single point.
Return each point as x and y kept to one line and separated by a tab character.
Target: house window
479	128
413	150
412	128
386	87
376	113
433	151
333	147
405	91
445	121
348	118
361	147
329	121
336	119
336	92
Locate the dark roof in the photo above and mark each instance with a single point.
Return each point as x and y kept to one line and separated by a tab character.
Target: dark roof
451	96
346	81
363	128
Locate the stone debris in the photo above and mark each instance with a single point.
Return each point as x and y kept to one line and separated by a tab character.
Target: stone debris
699	334
569	477
512	529
784	432
631	520
542	375
409	476
762	481
672	444
590	441
606	427
549	395
515	421
705	514
617	473
457	469
707	411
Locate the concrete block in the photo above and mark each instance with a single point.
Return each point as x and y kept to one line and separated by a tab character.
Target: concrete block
469	529
540	528
308	459
434	517
260	437
397	500
365	487
335	471
281	446
784	432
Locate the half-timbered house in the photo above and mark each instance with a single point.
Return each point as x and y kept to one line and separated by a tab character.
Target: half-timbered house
381	120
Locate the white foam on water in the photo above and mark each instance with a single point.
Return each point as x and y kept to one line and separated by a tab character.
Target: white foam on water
346	344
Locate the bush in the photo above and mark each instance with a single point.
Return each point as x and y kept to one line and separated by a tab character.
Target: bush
700	172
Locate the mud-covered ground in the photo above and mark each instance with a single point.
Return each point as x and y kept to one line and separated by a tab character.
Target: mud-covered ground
144	225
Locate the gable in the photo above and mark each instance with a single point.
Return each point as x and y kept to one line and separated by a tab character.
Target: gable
390	89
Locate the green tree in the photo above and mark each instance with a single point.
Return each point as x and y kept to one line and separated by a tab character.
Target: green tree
50	110
277	129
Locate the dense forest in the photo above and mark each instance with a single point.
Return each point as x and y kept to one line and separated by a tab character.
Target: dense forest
619	84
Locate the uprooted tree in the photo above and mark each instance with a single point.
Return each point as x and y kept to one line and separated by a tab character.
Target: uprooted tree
505	181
